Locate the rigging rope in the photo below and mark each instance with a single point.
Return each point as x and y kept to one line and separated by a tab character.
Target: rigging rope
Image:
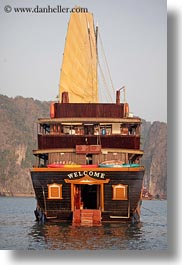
110	98
107	66
90	44
105	83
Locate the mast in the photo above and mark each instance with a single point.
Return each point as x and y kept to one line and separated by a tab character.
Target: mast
96	39
79	67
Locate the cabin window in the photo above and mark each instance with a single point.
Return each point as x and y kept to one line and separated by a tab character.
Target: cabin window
54	191
105	129
124	131
73	130
120	192
116	128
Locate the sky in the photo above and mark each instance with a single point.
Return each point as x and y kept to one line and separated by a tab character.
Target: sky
134	36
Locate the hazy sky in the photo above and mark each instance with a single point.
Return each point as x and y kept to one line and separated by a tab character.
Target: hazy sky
134	35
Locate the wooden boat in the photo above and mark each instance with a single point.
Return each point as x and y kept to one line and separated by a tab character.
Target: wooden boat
88	190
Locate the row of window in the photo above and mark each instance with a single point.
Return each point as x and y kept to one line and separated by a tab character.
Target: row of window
120	191
89	129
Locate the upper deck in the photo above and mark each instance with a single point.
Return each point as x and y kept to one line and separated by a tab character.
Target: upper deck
90	110
72	124
93	132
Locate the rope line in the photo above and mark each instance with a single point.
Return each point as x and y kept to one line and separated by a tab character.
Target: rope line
107	65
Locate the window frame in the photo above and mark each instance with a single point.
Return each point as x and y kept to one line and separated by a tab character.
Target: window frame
55	185
115	195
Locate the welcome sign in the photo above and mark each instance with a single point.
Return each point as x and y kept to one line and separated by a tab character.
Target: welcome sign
80	174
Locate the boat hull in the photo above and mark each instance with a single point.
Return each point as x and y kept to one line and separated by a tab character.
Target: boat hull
116	192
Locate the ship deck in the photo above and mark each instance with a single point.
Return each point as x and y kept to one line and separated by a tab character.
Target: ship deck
73	168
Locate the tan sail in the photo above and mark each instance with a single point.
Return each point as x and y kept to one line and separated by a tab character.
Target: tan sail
79	66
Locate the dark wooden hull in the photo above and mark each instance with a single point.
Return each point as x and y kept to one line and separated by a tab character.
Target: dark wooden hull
103	182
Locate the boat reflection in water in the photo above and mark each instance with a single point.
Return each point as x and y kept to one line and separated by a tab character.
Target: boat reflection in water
59	236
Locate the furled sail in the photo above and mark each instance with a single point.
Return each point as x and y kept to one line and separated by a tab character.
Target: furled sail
79	66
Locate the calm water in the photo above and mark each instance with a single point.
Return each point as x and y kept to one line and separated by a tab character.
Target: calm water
19	231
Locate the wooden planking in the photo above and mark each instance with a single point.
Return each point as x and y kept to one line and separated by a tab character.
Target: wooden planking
68	110
70	141
98	169
86	217
135	120
72	150
62	208
134	182
110	156
40	185
63	157
66	158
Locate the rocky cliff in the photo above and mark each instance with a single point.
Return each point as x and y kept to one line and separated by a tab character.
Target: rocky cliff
155	158
18	118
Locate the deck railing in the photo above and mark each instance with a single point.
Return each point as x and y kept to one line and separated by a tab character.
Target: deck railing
106	141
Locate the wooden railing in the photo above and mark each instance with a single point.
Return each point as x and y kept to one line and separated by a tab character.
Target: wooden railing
88	110
71	141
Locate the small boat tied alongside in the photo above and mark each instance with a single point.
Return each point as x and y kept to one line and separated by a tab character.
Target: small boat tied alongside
88	160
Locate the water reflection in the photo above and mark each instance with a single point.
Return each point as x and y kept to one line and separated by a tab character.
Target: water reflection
67	237
18	230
